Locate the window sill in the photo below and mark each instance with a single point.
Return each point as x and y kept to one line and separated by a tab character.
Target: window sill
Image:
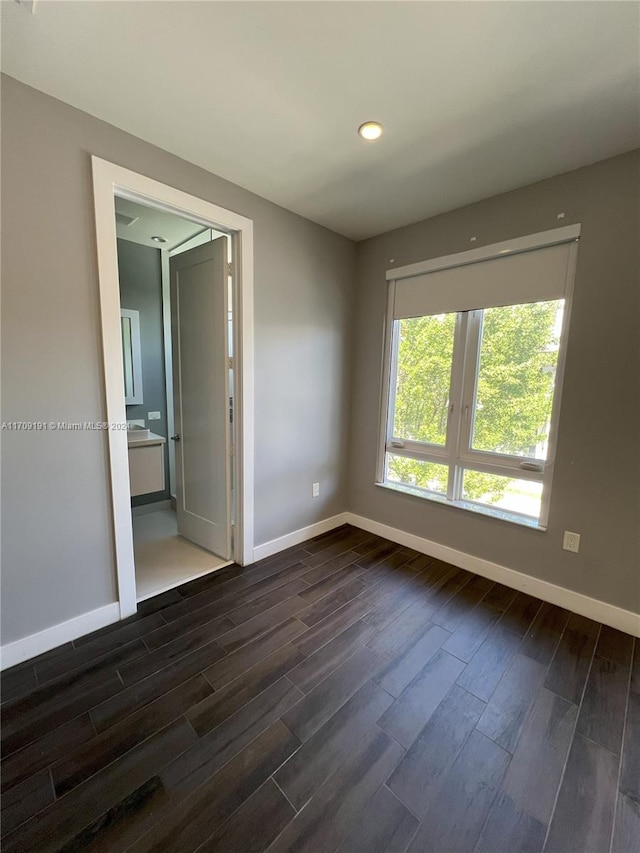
467	506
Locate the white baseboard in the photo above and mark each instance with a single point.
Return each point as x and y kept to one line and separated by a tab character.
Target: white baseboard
298	536
44	641
592	608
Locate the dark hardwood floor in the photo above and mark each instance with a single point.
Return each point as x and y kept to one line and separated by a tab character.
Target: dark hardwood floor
347	695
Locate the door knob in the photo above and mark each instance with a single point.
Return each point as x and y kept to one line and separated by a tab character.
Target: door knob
175	437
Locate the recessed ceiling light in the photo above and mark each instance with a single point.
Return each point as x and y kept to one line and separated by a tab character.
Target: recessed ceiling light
370	130
159	239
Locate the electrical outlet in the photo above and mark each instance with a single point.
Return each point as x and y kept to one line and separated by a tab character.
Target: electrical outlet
571	541
315	490
153	416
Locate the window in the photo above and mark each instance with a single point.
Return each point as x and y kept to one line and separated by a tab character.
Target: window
474	362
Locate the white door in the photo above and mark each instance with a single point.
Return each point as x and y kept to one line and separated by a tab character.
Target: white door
199	323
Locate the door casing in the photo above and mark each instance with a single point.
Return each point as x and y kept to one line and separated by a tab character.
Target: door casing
109	181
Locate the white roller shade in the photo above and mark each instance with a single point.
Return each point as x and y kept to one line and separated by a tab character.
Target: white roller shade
536	275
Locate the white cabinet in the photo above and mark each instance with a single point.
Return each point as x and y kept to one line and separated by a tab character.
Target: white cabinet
146	464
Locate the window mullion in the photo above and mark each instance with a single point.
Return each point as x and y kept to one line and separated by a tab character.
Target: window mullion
471	365
455	403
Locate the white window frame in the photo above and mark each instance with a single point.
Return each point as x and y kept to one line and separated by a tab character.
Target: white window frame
457	453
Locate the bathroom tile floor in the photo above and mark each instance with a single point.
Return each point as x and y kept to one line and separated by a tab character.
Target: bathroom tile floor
163	558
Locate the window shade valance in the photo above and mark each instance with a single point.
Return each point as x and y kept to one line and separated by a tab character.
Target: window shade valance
535	275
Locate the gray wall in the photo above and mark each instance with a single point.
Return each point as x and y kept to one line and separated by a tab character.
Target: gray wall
140	274
57	550
596	484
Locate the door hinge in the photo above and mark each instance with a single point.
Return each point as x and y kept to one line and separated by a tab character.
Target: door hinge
230	362
229	269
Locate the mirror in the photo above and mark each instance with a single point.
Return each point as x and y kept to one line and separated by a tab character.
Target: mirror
131	356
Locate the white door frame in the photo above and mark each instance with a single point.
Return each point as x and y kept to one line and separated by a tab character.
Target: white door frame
110	180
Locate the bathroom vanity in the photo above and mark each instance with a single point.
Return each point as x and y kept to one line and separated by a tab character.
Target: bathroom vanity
146	461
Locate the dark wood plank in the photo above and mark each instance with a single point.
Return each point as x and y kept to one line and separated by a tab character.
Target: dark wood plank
411	711
223	743
128	701
369	544
630	775
259	606
229	699
323	701
319	610
339	803
17	682
604	704
521	613
83	664
322	663
89	652
472	784
471	633
626	832
388	604
253	628
509	829
376	556
393	567
179	761
535	772
499	597
45	750
404	630
635	667
320	756
483	673
615	645
275	564
330	552
401	670
440	593
332	537
323	587
171	653
314	638
83	762
583	817
329	568
258	822
509	705
125	822
48	714
157	604
212	580
419	773
543	635
385	826
451	615
194	820
235	664
181	627
63	820
25	800
570	665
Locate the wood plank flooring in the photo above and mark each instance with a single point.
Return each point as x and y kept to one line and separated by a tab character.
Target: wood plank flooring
347	695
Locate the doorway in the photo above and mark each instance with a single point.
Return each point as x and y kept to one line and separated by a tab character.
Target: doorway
195	474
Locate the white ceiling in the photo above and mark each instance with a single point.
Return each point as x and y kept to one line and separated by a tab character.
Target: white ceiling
476	98
150	222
